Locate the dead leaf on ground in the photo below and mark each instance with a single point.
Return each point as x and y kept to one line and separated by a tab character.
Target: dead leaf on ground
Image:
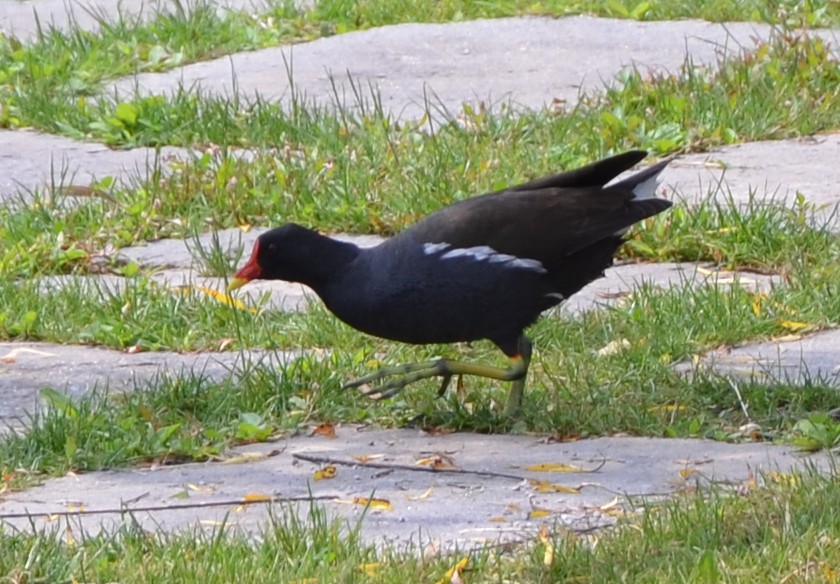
539	513
613	348
325	430
257	498
668	408
686	473
435	431
545	538
425	495
365	458
376	504
438	460
328	472
453	574
12	355
220	297
546	487
245	457
554	467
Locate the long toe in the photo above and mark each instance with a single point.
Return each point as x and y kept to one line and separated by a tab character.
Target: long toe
392	388
409	368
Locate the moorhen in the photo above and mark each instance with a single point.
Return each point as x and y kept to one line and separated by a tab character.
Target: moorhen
481	268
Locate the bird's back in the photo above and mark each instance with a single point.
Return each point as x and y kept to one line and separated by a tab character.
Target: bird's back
488	266
569	221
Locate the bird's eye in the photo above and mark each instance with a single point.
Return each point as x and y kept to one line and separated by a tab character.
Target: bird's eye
272	247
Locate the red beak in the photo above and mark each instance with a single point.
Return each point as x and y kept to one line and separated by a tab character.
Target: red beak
250	271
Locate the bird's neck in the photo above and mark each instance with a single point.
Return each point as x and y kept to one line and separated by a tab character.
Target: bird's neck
325	262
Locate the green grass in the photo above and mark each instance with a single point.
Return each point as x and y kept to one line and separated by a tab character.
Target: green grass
359	170
362	172
784	528
52	83
634	391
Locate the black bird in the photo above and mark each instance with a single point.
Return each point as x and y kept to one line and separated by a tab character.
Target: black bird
482	268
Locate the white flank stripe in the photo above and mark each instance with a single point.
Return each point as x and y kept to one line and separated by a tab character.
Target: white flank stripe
483	253
433	248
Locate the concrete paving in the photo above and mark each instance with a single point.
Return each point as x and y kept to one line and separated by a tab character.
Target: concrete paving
770	171
796	359
75	370
26	368
530	62
773	171
533	62
482	490
31	161
174	265
22	19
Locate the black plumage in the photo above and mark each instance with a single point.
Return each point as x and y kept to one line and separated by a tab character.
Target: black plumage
482	268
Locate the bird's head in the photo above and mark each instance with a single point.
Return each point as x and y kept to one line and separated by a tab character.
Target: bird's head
292	253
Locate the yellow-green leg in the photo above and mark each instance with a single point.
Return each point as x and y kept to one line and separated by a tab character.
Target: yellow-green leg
447	368
517	388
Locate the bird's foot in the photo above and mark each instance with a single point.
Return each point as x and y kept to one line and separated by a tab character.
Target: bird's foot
408	375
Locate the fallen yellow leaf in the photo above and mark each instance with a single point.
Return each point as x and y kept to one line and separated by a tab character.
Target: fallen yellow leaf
756	303
225	299
437	461
327	472
425	495
371	568
611	505
668	408
377	504
257	498
793	325
546	487
545	538
613	348
687	472
364	458
69	539
538	513
245	457
553	467
453	574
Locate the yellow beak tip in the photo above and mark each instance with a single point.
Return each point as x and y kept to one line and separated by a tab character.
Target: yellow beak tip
236	283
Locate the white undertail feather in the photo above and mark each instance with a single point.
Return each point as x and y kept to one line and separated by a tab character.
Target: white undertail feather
647	188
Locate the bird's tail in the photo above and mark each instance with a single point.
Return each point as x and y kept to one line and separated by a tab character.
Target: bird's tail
643	184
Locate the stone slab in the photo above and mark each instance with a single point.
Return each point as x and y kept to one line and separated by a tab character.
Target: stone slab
36	161
528	61
470	506
177	265
26	368
22	18
793	359
773	170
